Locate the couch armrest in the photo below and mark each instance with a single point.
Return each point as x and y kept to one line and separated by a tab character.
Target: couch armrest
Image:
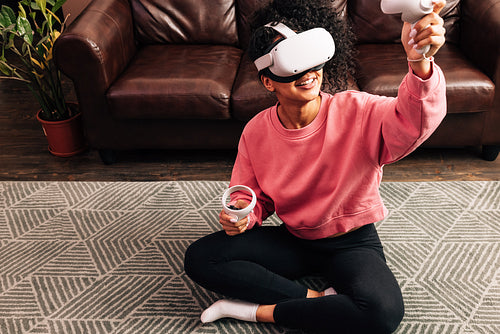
480	34
480	42
98	45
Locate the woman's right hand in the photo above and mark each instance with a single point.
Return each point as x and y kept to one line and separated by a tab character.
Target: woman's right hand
230	225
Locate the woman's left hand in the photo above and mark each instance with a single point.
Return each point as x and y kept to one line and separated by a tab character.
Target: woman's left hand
428	31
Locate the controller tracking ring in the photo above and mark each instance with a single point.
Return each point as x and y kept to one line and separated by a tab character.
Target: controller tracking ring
241	213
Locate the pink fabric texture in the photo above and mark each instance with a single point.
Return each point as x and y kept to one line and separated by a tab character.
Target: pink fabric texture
324	178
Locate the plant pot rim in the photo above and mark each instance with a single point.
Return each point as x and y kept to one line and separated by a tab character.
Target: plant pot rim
43	120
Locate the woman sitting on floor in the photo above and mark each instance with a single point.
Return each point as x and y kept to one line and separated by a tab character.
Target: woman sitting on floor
316	160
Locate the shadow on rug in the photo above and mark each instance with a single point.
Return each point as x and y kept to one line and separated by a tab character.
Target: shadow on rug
98	257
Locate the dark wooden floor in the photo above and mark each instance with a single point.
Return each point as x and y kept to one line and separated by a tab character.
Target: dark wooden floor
24	156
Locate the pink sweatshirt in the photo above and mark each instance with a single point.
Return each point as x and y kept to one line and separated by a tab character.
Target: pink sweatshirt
324	178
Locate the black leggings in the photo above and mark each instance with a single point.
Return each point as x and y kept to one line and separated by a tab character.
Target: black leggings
262	264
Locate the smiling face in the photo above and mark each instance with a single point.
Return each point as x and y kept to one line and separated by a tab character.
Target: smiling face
300	91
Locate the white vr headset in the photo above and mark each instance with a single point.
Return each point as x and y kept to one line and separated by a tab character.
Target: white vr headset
297	53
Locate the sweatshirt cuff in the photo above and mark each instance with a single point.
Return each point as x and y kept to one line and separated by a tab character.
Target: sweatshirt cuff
420	87
252	220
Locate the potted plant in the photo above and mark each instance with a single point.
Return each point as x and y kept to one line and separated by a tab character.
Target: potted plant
29	36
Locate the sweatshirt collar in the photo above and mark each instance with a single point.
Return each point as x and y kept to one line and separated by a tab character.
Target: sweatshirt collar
306	131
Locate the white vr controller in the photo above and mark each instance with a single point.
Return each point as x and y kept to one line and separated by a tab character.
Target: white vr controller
238	214
411	11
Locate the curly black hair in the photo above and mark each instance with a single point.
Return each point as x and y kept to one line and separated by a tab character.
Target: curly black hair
301	15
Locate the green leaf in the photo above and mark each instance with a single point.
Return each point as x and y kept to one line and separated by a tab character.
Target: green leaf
49	21
58	5
11	44
43	27
42	4
4	68
40	50
43	40
33	5
24	50
53	16
24	29
22	12
7	17
7	34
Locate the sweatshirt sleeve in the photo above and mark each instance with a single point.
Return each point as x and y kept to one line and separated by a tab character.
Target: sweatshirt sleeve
394	127
243	175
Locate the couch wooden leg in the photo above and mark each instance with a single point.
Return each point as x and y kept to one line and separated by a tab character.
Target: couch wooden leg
490	152
108	156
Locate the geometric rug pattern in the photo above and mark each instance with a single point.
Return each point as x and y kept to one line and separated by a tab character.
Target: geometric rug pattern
107	257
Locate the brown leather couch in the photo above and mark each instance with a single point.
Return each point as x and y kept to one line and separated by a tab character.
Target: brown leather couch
173	74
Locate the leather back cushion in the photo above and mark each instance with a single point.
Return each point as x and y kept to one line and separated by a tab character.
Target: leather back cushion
373	26
185	21
246	9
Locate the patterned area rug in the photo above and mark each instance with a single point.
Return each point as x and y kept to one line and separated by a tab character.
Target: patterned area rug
98	257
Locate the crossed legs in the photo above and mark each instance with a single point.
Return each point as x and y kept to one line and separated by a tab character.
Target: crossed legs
260	267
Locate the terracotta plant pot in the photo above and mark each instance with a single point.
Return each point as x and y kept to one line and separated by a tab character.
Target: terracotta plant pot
66	137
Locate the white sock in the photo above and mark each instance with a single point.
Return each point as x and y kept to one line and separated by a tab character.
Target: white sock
228	308
330	291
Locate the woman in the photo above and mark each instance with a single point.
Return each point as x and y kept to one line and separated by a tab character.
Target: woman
316	160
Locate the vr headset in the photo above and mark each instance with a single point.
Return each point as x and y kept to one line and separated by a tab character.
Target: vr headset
292	56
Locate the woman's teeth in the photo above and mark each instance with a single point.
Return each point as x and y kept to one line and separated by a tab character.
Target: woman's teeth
307	82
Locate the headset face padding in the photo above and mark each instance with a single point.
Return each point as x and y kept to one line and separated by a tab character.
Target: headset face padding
276	78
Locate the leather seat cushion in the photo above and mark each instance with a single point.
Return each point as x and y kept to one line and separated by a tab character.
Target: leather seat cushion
176	82
383	66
